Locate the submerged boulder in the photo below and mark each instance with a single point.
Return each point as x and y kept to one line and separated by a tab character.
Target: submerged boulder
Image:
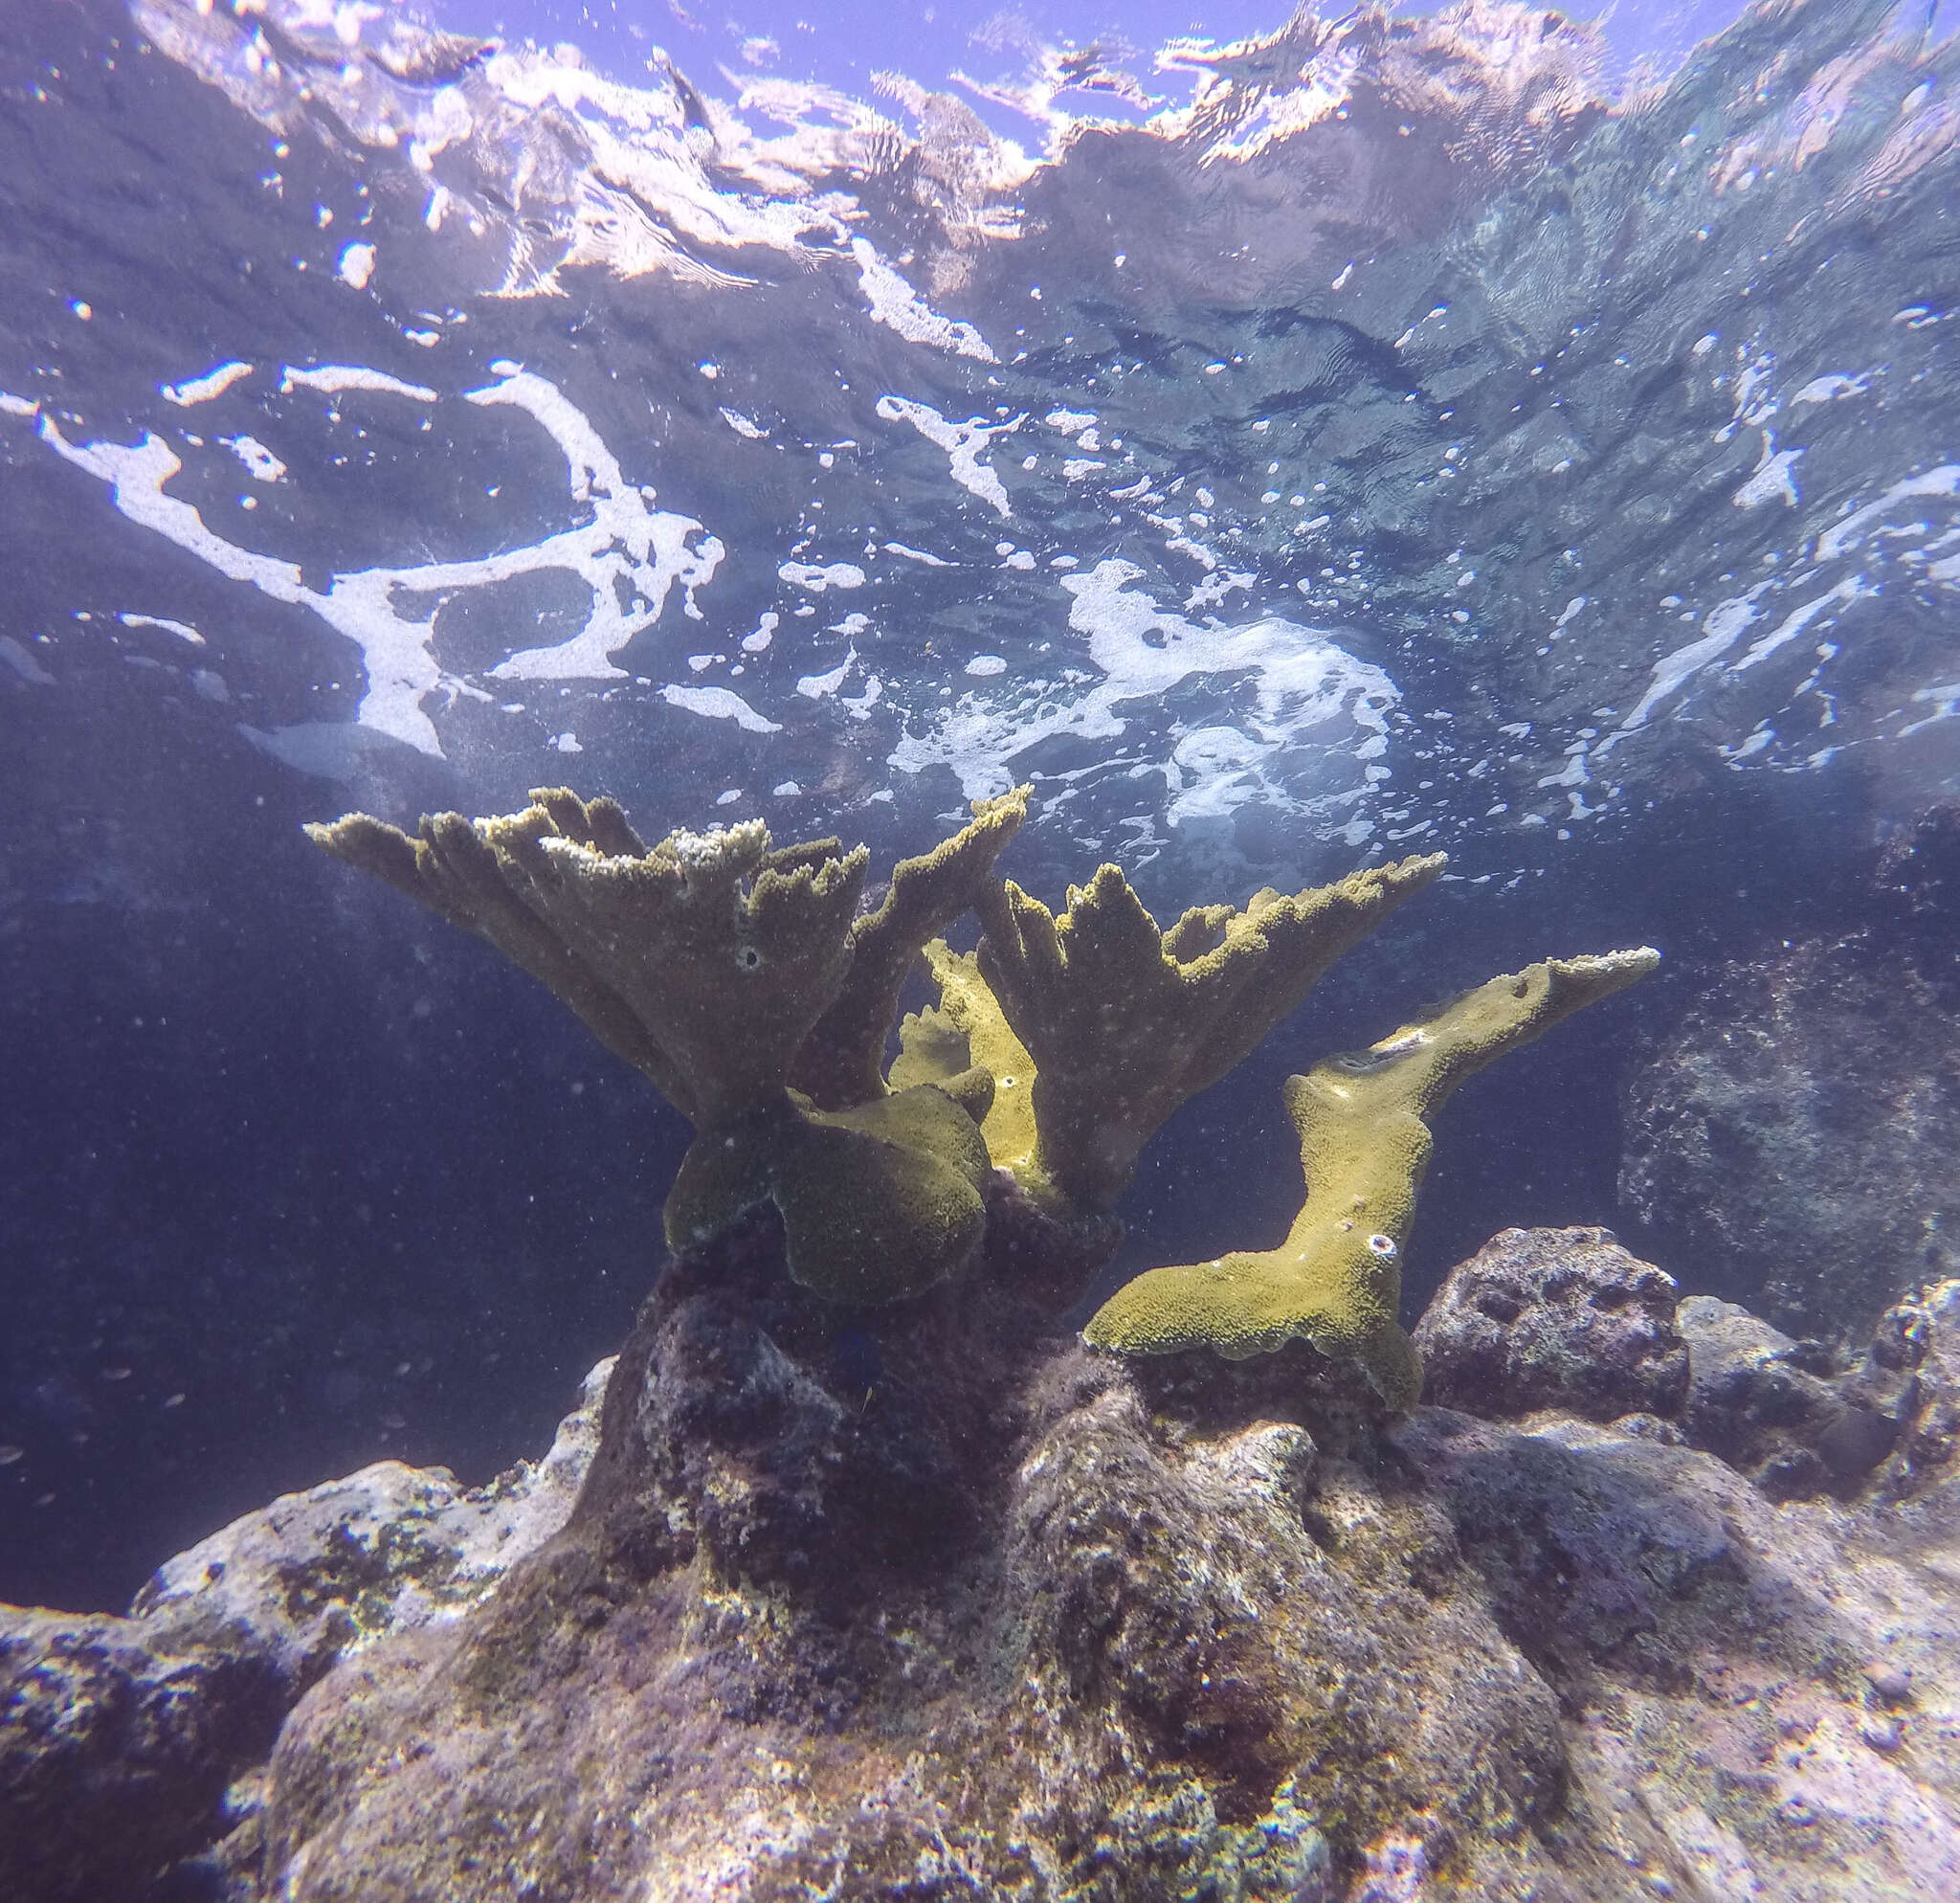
132	1751
929	1603
1777	1409
1555	1318
1796	1132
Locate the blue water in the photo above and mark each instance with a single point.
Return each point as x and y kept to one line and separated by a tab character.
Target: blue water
1285	449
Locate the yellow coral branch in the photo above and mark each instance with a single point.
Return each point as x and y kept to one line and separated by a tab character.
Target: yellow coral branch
1124	1021
1365	1146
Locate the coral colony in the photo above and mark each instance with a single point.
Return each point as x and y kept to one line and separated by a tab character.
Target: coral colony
746	984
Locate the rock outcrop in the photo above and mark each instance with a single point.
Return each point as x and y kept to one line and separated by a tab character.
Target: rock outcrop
1796	1134
132	1751
1555	1318
930	1602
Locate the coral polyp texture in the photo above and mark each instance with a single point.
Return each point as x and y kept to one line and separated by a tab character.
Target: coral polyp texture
745	981
1364	1144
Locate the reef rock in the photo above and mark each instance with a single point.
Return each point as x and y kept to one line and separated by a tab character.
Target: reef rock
131	1746
1760	1699
929	1602
1796	1133
1917	1347
1554	1318
118	1751
1776	1410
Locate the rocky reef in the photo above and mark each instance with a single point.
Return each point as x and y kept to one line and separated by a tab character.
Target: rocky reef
859	1575
1793	1129
934	1603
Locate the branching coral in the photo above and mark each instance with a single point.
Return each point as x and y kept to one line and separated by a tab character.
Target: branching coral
713	964
843	1062
966	1028
746	982
1364	1145
1124	1021
704	961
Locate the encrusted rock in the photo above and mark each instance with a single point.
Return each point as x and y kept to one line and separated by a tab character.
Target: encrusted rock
118	1751
1918	1347
929	1602
1773	1408
911	1606
315	1574
1796	1135
1707	1644
922	1604
129	1747
1554	1318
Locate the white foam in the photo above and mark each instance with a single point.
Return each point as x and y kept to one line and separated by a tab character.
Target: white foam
918	555
720	704
1830	388
1837	539
815	686
893	301
261	463
861	704
965	444
183	630
1945	702
333	378
1317	712
202	388
1723	626
625	546
357	265
628	549
1770	481
818	577
1795	622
